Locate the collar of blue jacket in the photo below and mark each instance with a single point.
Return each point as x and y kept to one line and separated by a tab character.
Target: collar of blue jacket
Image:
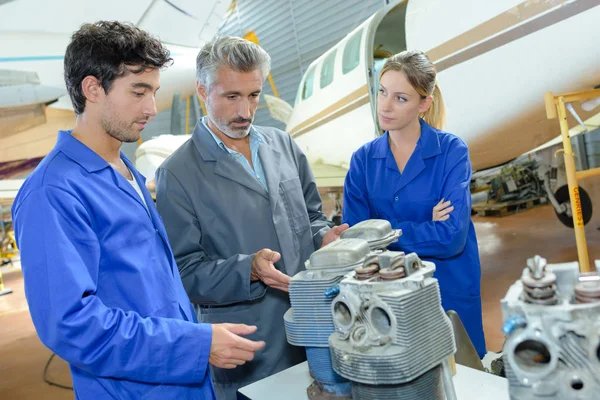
82	154
428	142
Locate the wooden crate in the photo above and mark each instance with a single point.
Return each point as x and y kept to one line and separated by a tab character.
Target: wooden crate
507	208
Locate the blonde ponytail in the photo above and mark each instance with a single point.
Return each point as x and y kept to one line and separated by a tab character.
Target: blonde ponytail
436	114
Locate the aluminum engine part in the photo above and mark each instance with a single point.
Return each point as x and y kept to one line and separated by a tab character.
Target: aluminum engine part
309	322
539	285
378	232
424	387
392	335
552	349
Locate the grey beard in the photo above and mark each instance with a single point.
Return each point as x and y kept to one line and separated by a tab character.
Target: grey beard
233	134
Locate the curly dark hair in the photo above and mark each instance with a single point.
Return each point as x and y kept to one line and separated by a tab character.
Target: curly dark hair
108	50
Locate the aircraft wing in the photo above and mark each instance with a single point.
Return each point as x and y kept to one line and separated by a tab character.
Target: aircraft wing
9	189
279	109
327	175
591	124
181	22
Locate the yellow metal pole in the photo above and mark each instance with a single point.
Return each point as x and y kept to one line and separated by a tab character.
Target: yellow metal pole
581	96
587	173
272	82
187	116
578	225
251	36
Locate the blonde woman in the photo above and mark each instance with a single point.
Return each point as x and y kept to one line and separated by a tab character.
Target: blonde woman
417	177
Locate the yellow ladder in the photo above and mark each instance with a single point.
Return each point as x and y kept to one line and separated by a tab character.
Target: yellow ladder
556	108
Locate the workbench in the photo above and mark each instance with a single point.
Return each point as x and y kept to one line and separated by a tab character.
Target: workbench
291	384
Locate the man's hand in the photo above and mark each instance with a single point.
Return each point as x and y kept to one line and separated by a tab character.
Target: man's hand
264	270
441	210
228	350
333	234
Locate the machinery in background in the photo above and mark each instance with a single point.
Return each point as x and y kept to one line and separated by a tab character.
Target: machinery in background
8	245
552	324
517	182
514	187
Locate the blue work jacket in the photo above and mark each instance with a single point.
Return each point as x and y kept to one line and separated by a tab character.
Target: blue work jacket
438	168
102	286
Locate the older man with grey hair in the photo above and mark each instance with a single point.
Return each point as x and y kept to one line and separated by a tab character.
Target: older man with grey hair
242	210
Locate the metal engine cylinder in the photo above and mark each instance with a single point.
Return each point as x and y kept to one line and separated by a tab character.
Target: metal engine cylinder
309	322
391	333
552	324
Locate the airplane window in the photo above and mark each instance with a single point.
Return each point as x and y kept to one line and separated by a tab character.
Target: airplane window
308	83
351	57
327	69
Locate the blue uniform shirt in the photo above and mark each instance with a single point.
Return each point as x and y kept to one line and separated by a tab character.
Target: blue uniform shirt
102	286
255	140
438	168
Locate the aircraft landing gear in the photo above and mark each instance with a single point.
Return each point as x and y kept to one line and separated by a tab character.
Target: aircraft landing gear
562	203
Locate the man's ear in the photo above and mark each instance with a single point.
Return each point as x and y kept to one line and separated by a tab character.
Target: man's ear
92	89
201	90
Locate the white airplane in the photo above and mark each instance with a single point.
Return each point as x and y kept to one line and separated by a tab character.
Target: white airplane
34	34
495	60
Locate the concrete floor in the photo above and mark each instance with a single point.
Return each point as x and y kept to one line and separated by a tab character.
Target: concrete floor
504	243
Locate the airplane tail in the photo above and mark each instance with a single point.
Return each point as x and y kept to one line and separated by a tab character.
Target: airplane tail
279	109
